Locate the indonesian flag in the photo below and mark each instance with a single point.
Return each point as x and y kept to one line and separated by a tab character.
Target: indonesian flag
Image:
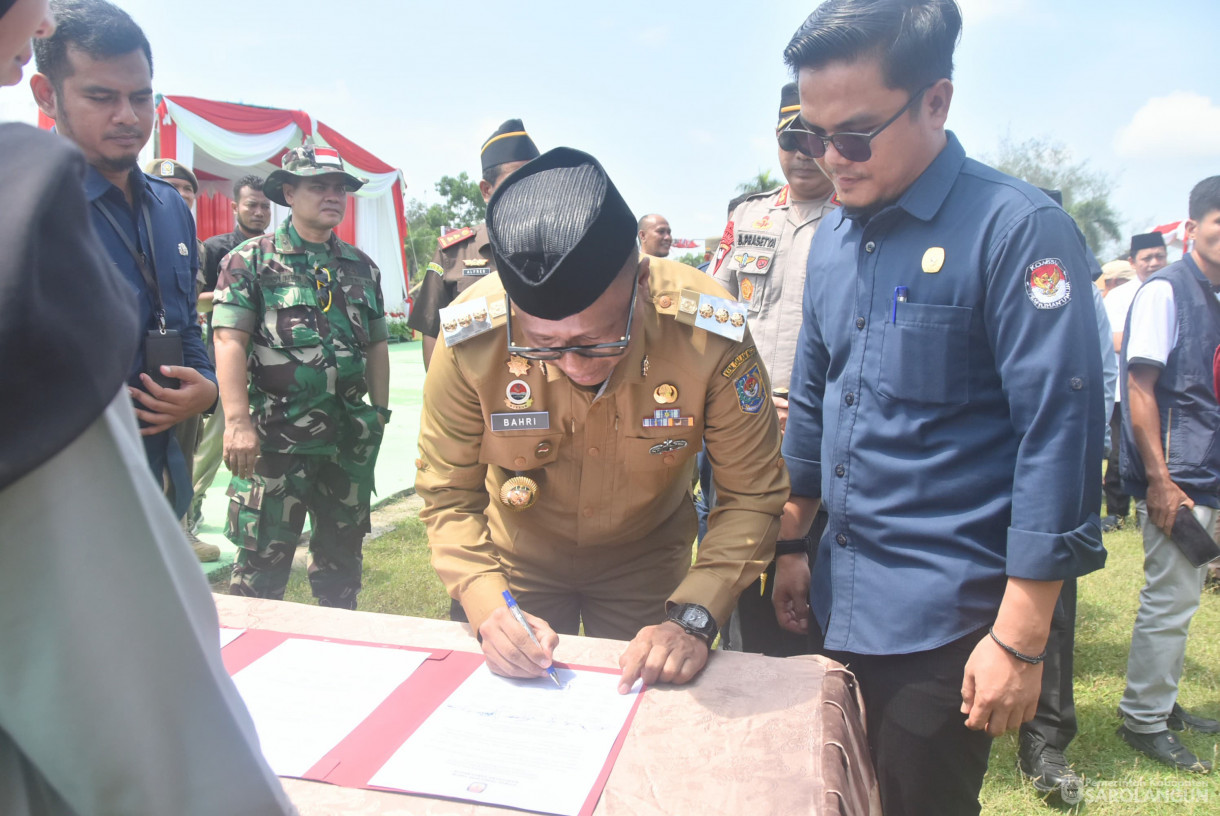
327	156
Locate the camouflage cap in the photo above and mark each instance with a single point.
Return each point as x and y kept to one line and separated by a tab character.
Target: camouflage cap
308	160
171	168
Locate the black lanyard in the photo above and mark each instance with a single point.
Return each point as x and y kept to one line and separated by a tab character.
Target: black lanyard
146	263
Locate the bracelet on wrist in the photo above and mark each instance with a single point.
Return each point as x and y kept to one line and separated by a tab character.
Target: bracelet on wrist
790	546
1033	660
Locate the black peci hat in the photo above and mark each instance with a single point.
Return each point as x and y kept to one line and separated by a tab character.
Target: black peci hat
560	233
1146	240
510	143
789	105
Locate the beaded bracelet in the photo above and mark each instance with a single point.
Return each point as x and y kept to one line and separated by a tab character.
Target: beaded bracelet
1024	658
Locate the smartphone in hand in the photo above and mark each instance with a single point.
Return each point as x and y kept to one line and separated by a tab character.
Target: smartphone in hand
1193	539
162	348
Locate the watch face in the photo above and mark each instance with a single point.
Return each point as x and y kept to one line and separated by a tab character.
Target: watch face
695	616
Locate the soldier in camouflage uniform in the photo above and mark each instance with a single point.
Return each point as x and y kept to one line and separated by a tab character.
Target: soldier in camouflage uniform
300	340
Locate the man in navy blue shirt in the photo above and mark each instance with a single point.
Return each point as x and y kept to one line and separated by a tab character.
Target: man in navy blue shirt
95	81
945	405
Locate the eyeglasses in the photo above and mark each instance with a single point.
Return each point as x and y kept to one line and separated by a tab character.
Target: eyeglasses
324	284
614	349
855	147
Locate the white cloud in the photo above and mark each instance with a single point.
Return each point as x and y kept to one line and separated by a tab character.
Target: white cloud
1182	124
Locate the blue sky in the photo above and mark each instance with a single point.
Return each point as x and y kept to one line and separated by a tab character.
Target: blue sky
677	99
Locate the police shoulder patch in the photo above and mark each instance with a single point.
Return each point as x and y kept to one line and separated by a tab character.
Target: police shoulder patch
455	237
1047	284
751	394
435	267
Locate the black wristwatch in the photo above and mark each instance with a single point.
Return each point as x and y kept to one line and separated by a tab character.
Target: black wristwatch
695	619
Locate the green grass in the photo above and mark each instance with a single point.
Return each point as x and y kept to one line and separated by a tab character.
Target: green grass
1108	601
399	579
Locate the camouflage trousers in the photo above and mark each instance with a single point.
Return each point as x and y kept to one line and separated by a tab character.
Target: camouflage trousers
267	513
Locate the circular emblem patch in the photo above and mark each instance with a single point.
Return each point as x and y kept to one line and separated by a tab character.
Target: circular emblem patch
1047	284
518	393
762	263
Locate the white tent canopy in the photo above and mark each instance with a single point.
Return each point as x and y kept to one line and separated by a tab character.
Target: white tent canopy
223	141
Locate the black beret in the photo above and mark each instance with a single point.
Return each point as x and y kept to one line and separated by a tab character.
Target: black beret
1146	240
510	143
789	105
560	233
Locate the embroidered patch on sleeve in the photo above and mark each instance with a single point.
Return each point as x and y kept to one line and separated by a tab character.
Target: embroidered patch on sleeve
1046	284
750	391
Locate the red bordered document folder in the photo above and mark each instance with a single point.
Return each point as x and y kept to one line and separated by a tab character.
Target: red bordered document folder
356	758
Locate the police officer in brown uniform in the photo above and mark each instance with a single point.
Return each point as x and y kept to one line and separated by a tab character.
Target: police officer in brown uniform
464	256
762	259
561	419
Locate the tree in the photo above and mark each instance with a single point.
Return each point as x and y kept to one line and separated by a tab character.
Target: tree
463	203
461	206
690	259
759	184
1086	192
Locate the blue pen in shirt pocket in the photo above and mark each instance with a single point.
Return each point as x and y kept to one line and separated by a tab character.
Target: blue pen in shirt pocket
900	296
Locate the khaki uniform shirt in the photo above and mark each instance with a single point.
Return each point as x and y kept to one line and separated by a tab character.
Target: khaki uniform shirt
462	259
761	261
605	479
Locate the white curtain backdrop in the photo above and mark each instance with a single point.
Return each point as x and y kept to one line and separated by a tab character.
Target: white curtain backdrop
241	149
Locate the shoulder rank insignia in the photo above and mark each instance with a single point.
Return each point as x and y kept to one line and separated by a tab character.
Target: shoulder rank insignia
462	321
455	237
782	199
726	318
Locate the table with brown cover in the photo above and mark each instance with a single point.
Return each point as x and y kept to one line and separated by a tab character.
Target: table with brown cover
750	735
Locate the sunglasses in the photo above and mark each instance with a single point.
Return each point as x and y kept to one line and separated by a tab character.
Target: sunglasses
613	349
855	147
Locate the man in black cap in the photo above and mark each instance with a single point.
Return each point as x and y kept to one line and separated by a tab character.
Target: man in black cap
561	419
1147	255
464	255
761	260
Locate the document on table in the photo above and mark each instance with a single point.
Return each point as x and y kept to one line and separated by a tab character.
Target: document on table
305	696
519	743
228	635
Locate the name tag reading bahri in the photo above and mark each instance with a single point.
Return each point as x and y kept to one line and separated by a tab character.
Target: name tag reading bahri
523	421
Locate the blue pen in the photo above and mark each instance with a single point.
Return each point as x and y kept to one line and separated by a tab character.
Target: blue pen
516	610
900	296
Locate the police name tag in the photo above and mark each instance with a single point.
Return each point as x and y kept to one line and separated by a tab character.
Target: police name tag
726	318
462	321
524	421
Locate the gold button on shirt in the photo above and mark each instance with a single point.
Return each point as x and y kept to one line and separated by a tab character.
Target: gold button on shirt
614	522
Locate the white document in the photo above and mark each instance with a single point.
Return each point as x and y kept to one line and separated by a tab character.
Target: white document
228	635
520	743
305	696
